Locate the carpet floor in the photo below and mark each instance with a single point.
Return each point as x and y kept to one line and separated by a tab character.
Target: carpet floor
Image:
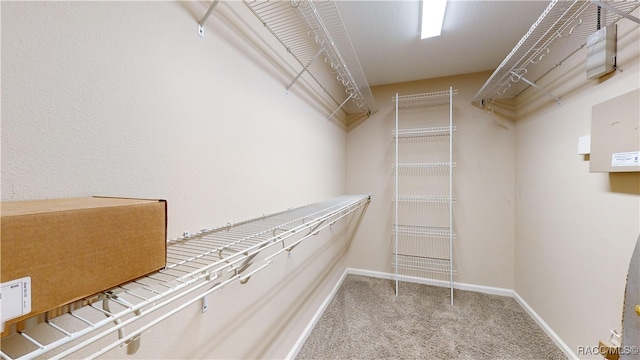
365	320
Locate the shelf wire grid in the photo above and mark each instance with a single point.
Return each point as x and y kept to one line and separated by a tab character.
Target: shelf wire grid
423	231
423	199
424	264
307	27
560	31
197	265
423	132
436	98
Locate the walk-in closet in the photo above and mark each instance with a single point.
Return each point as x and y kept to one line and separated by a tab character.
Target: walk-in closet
306	179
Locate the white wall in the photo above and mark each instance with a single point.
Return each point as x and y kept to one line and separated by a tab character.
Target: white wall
483	183
575	230
124	99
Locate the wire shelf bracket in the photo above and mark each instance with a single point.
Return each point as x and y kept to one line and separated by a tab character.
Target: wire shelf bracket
206	17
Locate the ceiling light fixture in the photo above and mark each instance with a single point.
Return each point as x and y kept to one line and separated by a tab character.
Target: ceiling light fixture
432	17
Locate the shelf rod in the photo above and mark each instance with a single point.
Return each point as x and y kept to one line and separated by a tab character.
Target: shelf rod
306	67
613	9
340	107
520	77
205	17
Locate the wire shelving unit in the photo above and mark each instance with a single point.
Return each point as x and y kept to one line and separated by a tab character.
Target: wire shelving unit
197	265
312	29
423	201
561	30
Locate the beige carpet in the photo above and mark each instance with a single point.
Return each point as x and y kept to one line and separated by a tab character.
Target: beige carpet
365	320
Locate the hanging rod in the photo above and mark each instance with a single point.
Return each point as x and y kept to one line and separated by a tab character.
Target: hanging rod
197	265
306	28
561	30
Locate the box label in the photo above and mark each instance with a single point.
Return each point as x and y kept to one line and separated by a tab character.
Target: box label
625	158
15	299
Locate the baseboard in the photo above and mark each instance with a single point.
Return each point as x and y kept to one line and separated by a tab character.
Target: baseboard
543	325
456	285
312	323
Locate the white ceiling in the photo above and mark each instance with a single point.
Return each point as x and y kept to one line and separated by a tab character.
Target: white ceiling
476	36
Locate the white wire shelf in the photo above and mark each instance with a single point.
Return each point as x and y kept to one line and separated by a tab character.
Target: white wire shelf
424	132
560	31
422	231
425	165
424	264
423	199
309	28
436	98
197	265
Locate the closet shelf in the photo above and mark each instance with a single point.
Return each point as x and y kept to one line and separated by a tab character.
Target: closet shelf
422	231
424	100
424	132
428	165
423	199
197	265
560	31
425	264
308	29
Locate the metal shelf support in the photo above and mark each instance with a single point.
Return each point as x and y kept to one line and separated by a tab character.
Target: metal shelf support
538	87
305	68
206	17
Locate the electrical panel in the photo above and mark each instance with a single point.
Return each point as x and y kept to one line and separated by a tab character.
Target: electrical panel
601	52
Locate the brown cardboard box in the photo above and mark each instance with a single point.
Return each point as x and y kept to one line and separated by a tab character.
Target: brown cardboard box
75	248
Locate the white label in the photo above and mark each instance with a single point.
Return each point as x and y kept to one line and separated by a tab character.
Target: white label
625	158
15	299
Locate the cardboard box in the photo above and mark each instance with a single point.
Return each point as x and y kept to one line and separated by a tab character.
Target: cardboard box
71	249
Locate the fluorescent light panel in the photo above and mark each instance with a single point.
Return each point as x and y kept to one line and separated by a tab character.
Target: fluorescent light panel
432	17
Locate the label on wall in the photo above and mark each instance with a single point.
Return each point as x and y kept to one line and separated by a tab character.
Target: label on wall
15	299
625	158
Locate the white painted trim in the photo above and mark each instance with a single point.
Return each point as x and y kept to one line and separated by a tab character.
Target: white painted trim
461	286
456	285
547	329
307	330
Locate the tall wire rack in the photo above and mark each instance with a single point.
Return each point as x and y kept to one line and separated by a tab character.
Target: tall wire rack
423	237
561	30
197	265
312	29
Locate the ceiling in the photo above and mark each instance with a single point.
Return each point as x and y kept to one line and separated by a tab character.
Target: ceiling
476	36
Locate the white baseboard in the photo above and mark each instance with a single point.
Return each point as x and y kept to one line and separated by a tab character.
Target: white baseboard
461	286
307	330
456	285
547	329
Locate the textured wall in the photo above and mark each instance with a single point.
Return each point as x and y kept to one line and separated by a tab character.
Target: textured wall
124	99
575	230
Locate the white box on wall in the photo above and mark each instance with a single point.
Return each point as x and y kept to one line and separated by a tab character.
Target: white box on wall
584	145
